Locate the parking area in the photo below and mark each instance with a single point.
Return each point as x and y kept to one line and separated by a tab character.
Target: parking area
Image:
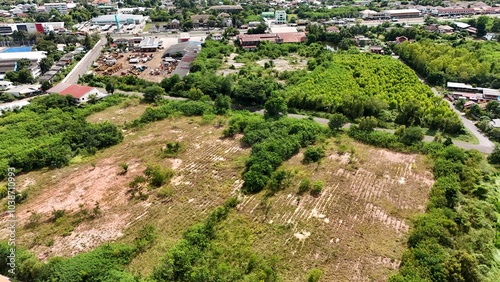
130	28
151	66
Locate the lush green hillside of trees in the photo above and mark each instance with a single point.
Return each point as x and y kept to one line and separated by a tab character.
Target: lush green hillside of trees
50	131
466	61
368	85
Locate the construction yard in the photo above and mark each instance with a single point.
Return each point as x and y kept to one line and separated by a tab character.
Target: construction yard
146	65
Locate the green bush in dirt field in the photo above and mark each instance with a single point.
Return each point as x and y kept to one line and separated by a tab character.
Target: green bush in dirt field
317	188
157	175
272	141
313	154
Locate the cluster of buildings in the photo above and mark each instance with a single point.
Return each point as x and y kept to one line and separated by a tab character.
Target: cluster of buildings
10	28
471	93
276	35
451	10
21	10
60	65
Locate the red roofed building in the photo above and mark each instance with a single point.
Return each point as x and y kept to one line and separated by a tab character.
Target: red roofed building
251	41
292	37
80	92
401	39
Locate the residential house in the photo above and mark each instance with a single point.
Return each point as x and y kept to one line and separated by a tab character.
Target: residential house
200	20
81	93
332	29
376	50
401	39
362	40
446	29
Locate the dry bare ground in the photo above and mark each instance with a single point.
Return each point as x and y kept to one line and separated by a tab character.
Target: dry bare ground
281	64
356	229
204	176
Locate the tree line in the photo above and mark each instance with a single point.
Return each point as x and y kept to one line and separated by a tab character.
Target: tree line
50	131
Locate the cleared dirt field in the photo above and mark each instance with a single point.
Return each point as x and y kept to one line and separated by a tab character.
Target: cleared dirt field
120	114
205	174
356	230
291	63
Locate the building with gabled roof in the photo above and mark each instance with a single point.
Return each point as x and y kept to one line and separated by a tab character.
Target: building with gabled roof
80	92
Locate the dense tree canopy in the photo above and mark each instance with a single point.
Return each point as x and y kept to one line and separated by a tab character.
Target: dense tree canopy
469	62
368	85
49	132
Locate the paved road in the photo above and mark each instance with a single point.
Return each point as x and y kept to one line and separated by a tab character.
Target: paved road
485	145
83	66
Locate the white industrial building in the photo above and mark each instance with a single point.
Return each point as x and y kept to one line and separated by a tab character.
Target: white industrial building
122	19
16	56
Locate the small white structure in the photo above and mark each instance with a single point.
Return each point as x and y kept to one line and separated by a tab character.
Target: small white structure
4	85
24	90
282	29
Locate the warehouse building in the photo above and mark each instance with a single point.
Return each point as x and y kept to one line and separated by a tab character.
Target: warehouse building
9	28
403	13
149	44
122	19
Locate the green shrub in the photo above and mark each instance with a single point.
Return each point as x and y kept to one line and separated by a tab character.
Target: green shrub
313	154
158	176
304	186
317	188
57	214
124	167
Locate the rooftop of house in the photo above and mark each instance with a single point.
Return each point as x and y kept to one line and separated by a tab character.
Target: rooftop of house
77	91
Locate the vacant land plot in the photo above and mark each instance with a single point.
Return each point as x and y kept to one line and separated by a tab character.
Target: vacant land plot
120	114
205	174
293	62
355	230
